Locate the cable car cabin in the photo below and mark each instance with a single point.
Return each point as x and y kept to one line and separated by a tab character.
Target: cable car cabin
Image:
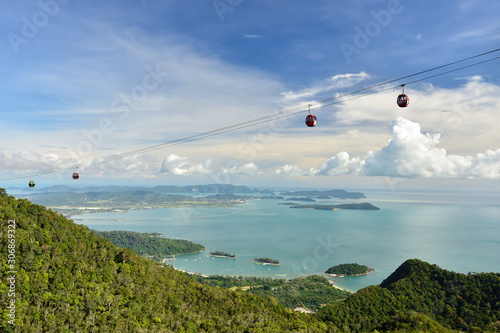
76	175
403	100
311	120
31	183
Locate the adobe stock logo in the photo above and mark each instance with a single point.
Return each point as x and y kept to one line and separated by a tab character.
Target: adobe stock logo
31	25
372	29
222	7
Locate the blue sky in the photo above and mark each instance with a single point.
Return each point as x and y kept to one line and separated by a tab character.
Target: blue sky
83	82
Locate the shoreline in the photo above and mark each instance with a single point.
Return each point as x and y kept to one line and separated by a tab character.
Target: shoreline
339	288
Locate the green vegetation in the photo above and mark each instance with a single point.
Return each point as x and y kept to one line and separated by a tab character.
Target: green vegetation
71	280
360	206
349	269
222	254
462	302
311	292
267	261
150	245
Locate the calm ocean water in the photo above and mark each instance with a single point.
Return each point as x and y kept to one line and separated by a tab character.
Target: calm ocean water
459	232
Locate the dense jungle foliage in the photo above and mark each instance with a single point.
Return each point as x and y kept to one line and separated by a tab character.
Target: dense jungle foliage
150	245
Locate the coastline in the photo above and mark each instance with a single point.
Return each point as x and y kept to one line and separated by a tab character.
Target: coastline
335	286
172	256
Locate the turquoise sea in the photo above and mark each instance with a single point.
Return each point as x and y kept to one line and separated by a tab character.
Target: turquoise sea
458	232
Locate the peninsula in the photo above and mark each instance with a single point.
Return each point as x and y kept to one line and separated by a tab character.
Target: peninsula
153	246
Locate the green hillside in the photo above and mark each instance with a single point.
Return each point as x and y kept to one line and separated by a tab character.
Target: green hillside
465	302
71	280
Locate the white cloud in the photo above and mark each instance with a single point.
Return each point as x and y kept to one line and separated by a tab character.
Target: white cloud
410	153
135	166
339	81
179	165
29	161
249	169
341	164
294	171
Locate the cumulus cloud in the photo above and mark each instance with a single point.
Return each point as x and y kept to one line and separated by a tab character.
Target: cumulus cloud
409	153
339	81
249	169
180	165
27	161
294	171
341	164
139	165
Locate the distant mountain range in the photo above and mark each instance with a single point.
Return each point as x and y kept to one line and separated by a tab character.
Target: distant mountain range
209	188
341	194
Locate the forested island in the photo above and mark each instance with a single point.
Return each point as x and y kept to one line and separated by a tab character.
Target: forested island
222	254
349	270
355	206
267	261
150	245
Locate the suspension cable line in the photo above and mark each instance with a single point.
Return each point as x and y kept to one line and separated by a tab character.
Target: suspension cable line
278	115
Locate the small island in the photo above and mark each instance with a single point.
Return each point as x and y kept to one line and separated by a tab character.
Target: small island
349	270
222	254
267	261
301	199
354	206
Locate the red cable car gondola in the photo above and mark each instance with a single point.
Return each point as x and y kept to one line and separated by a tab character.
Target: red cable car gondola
311	119
76	175
403	99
